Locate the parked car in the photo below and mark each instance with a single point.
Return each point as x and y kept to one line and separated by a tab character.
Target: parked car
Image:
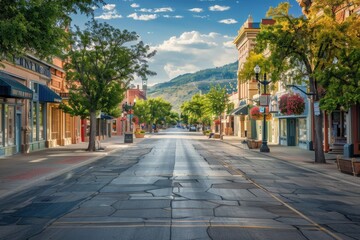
192	129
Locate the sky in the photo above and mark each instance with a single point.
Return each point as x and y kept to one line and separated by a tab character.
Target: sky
188	35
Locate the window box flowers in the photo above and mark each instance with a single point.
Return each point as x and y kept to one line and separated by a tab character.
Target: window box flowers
291	104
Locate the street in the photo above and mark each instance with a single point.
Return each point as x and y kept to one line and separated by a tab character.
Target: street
181	185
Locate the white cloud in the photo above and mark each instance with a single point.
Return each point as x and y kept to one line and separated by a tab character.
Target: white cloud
109	15
165	9
190	52
228	21
219	8
176	16
198	10
201	16
108	7
109	12
134	5
176	70
142	17
145	10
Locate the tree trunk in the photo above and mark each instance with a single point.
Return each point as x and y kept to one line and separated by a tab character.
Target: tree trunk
92	137
318	132
221	136
318	141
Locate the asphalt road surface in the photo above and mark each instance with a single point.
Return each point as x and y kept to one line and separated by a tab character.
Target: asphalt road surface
181	185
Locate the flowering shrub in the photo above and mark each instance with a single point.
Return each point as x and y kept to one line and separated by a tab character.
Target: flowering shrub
291	104
256	115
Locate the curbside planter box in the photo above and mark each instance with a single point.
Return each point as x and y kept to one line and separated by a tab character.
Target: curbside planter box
252	143
346	165
216	135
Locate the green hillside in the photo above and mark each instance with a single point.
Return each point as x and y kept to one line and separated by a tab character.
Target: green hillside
183	87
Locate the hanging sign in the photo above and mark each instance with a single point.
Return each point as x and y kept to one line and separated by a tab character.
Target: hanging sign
316	109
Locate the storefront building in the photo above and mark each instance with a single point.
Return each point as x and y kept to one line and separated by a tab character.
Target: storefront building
24	96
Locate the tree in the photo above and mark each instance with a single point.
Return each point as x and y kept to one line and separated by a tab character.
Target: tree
196	110
217	100
340	74
159	109
142	111
309	46
292	43
38	26
101	65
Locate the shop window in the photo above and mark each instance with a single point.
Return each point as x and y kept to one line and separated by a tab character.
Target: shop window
10	125
302	129
114	126
55	123
283	128
34	121
41	121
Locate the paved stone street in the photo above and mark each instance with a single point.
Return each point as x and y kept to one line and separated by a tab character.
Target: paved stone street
181	185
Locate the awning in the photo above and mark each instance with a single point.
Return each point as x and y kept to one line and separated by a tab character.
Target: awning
48	95
242	110
105	116
11	88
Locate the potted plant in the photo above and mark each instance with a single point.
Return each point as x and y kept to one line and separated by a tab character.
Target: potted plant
140	134
291	104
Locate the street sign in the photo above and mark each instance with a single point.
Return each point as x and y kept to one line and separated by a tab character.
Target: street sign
264	100
316	109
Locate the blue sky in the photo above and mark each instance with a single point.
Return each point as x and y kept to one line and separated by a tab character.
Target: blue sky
189	35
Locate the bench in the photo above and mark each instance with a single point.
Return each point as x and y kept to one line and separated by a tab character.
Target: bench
350	166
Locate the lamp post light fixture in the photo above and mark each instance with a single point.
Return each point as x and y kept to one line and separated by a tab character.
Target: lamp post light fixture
128	109
264	147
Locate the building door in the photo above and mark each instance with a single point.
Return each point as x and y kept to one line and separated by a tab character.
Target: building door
18	132
291	129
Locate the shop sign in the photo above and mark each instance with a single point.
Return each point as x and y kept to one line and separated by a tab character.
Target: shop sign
33	66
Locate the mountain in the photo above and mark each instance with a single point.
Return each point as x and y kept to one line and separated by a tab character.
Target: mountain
183	87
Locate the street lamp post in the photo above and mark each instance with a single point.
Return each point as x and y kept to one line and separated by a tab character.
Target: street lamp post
128	108
264	147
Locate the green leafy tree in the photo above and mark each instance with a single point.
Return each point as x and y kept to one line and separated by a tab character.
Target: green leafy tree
217	100
142	111
38	26
196	110
339	74
309	46
159	109
101	65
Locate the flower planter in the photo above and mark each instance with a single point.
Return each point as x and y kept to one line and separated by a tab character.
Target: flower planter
139	135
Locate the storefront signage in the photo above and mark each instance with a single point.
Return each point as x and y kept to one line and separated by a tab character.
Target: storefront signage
33	66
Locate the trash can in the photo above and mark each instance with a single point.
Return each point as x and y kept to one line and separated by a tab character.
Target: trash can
348	150
128	138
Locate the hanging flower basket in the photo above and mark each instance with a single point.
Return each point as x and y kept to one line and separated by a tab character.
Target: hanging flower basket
291	104
257	115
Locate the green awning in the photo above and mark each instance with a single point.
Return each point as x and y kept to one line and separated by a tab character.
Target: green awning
48	95
242	110
11	88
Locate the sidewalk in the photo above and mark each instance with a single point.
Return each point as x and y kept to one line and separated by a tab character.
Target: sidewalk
300	157
20	171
